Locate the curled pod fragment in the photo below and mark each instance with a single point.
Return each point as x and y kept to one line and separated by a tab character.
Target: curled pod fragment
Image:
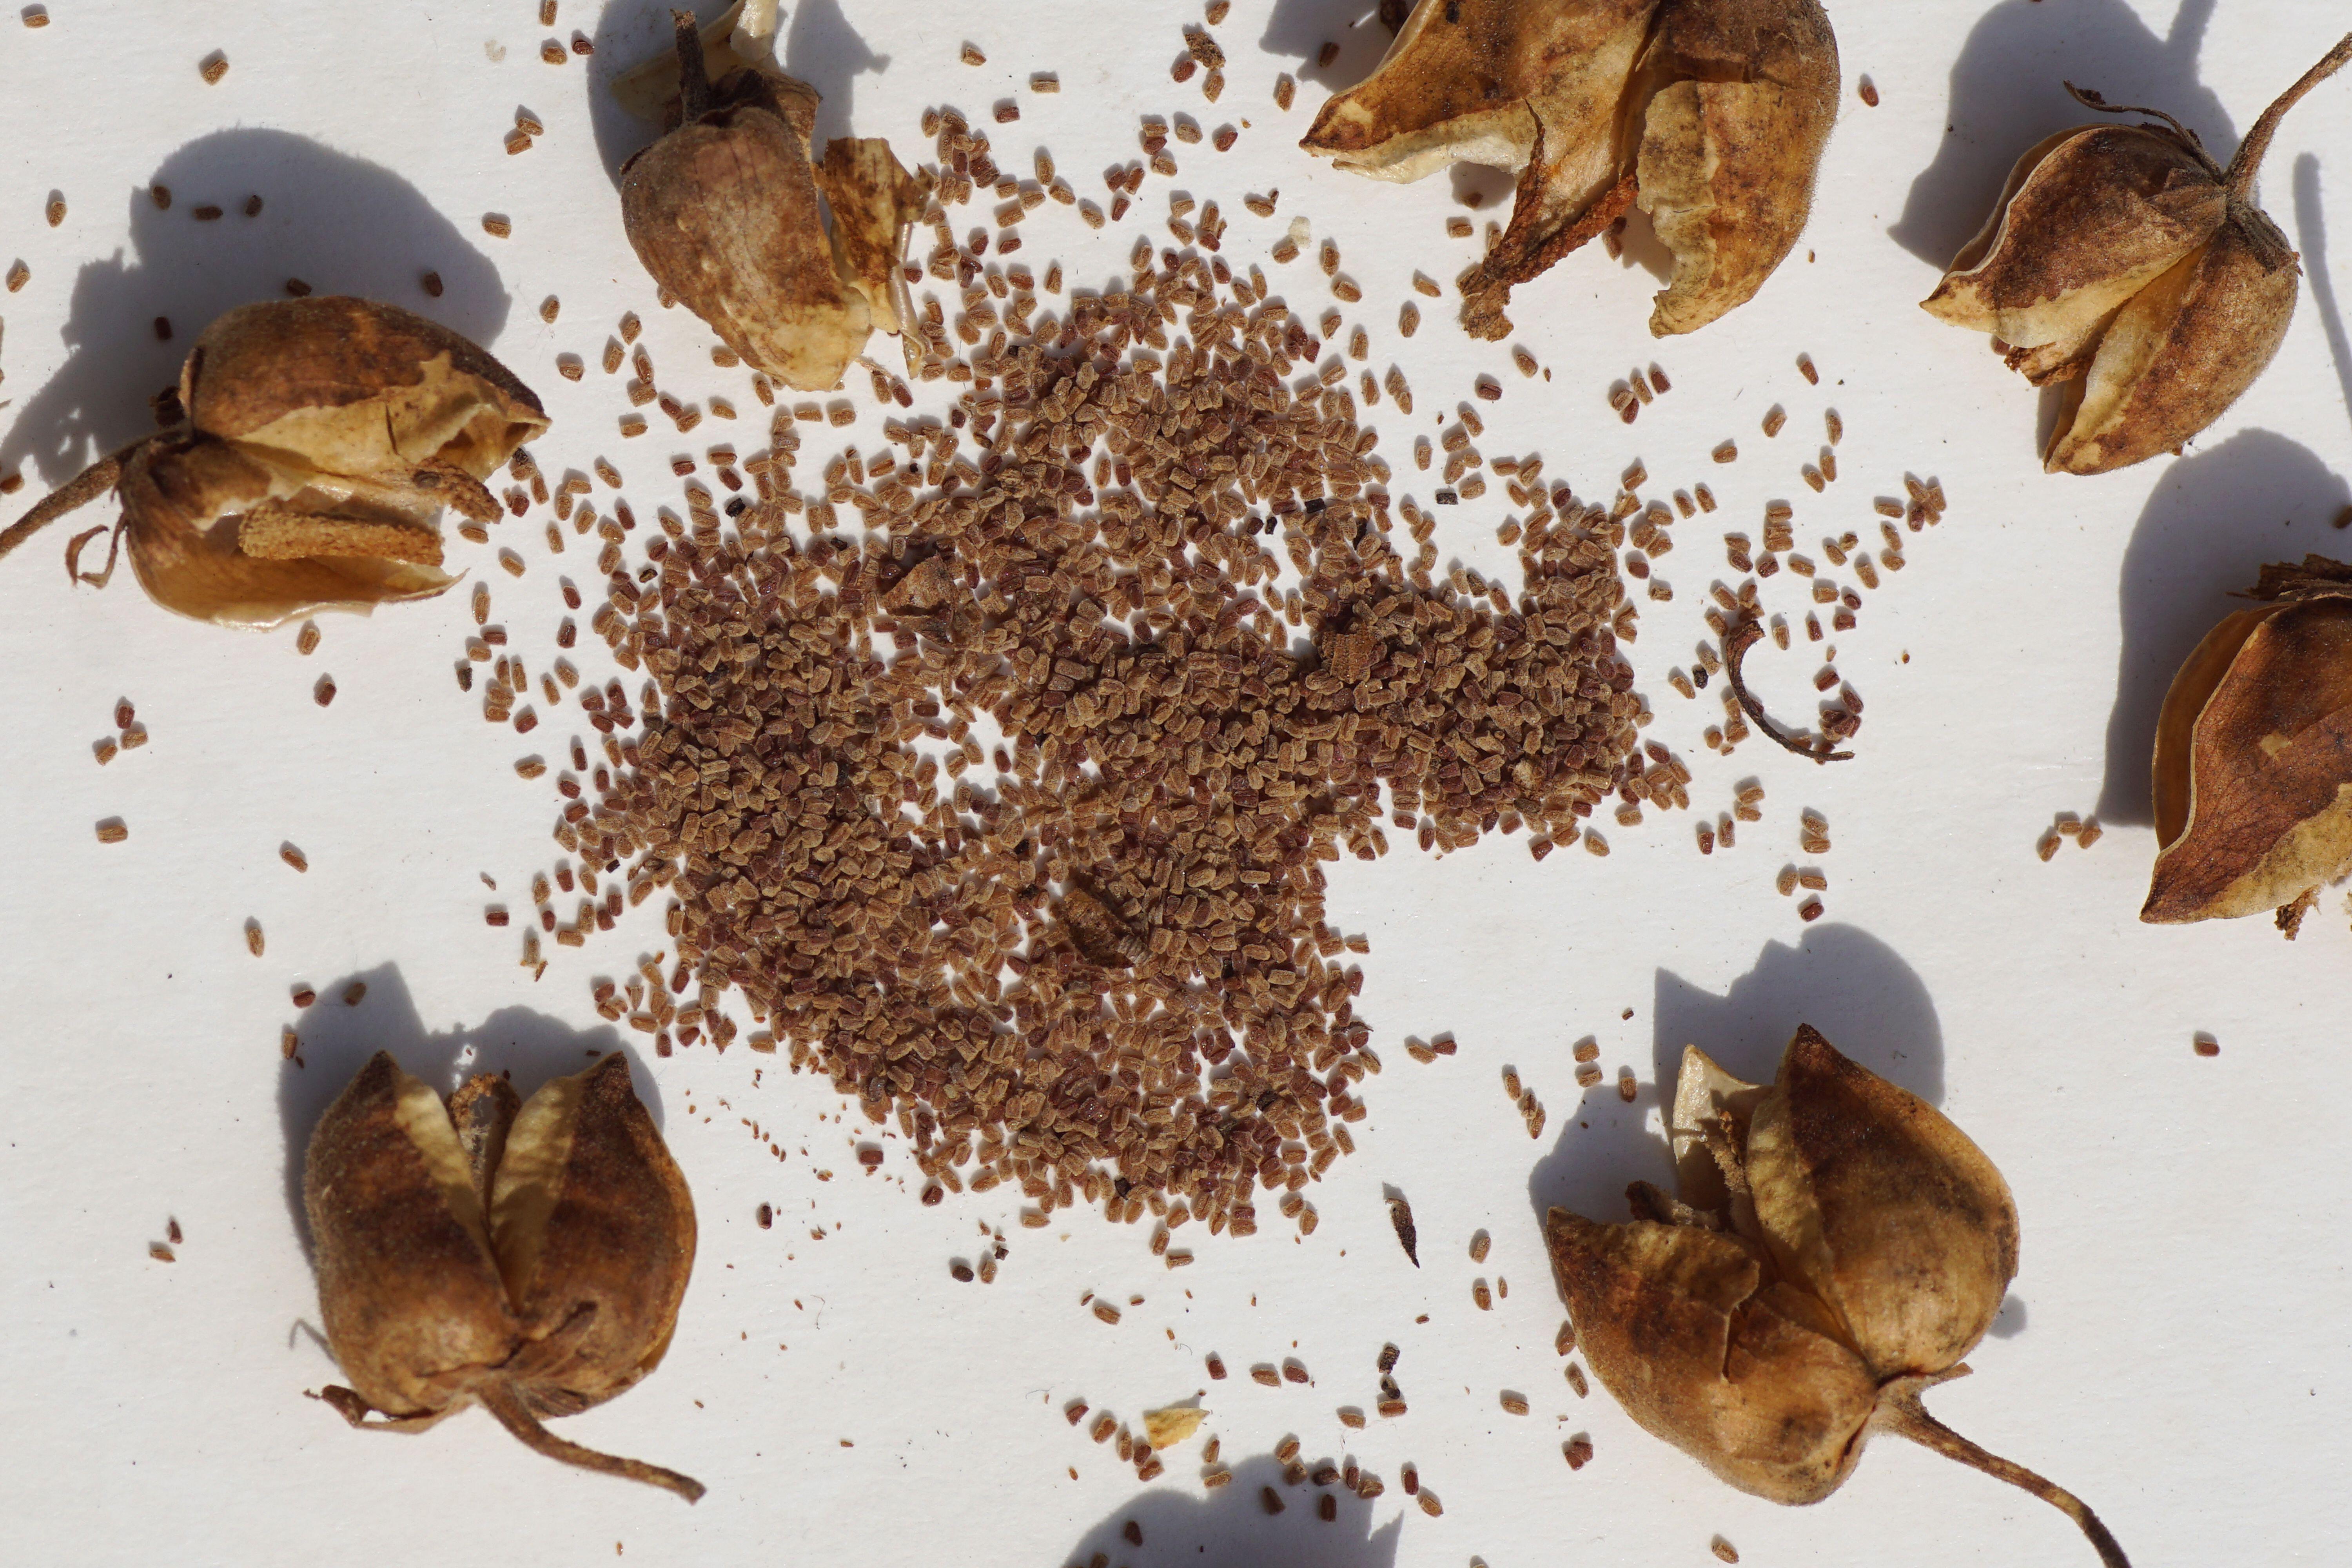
728	212
1833	1247
315	443
527	1258
2252	770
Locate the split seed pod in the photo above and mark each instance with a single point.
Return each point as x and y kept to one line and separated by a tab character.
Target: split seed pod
725	212
313	447
1835	1248
2124	259
526	1257
2252	774
1709	115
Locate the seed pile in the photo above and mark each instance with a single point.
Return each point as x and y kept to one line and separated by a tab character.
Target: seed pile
1036	954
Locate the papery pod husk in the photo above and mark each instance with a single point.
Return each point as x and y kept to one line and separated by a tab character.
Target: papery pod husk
2252	770
725	212
2089	217
874	201
1835	1246
1746	1377
1883	1208
318	439
408	1291
2127	257
1474	82
1710	115
529	1259
589	1212
2182	349
1743	95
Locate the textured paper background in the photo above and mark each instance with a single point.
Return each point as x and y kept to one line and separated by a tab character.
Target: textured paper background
2174	1348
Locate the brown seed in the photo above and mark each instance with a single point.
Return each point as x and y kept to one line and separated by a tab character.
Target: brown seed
324	692
112	831
497	225
1578	1452
213	66
253	941
1514	1404
1724	1550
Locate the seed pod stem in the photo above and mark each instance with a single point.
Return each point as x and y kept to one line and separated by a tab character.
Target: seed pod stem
2091	99
75	493
693	80
2241	176
501	1400
1900	1412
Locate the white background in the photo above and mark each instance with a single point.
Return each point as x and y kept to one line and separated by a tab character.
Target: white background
2174	1349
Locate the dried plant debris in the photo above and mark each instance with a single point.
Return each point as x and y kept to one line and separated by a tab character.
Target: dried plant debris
1736	644
526	1256
1832	1249
1401	1218
2126	262
1710	115
2253	750
724	211
1089	957
314	445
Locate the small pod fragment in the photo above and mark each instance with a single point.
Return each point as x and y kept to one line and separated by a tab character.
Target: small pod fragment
728	213
528	1257
1834	1247
313	447
1709	115
2253	770
2125	261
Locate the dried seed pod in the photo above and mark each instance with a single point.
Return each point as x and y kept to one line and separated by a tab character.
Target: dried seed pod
2126	260
528	1258
317	443
1710	115
2253	750
1834	1247
725	210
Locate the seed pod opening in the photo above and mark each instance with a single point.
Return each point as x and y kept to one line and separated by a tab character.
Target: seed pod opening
2124	260
314	445
1710	115
2253	770
791	264
1834	1246
529	1259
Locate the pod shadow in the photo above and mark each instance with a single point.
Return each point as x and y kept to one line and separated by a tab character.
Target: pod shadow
336	1039
2209	526
2007	92
1232	1528
325	220
818	45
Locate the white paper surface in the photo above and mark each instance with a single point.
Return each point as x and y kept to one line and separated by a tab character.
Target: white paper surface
2174	1349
